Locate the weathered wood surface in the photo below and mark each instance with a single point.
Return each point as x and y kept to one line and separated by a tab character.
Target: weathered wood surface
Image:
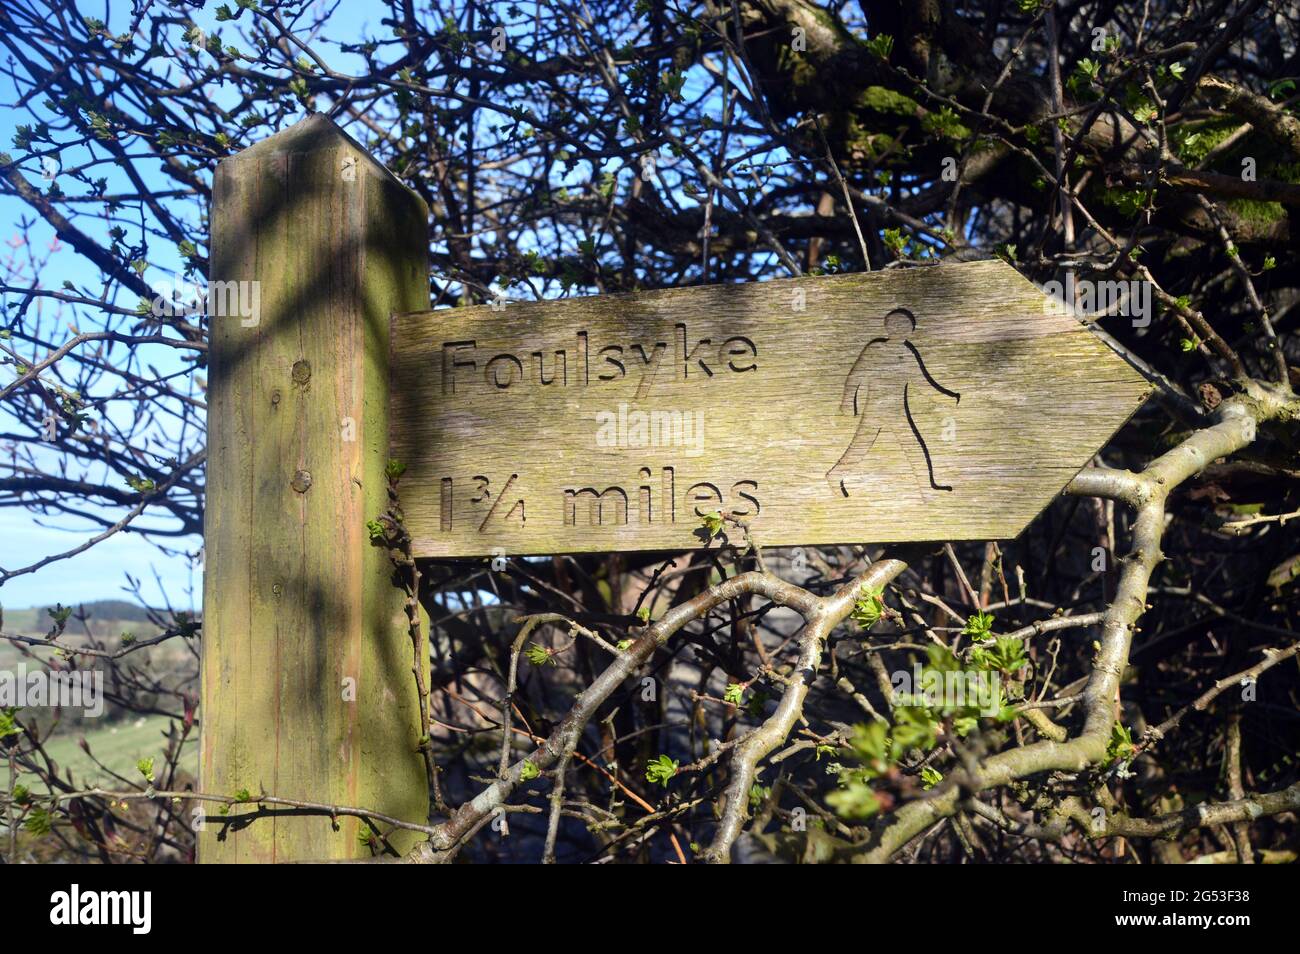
296	601
939	403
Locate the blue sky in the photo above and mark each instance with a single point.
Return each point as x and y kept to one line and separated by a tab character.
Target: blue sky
100	572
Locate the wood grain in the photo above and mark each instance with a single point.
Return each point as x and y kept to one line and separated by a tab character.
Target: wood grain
941	403
296	601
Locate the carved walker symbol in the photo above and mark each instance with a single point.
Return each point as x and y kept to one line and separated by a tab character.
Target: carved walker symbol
876	406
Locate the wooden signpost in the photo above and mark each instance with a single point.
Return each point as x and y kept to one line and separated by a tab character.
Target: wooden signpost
307	689
928	404
944	403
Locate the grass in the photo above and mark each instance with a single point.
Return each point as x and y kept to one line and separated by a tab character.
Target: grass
119	746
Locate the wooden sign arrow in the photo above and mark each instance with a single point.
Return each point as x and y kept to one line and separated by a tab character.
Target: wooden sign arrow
939	403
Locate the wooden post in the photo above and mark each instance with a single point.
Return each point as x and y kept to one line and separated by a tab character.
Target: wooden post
307	688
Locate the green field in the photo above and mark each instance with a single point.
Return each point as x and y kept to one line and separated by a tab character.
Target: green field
120	743
119	746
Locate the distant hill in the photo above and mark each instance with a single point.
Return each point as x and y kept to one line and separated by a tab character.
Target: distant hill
117	609
37	619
